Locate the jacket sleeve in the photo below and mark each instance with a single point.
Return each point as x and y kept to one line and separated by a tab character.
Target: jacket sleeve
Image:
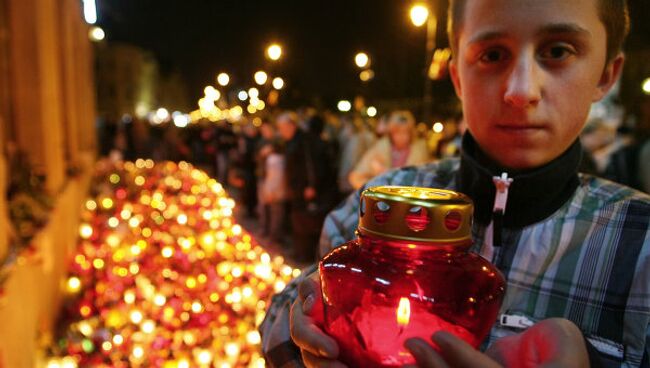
277	346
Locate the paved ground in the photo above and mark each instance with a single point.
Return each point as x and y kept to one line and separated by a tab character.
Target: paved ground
253	227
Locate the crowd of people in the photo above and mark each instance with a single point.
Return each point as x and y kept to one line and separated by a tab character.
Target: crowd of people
289	169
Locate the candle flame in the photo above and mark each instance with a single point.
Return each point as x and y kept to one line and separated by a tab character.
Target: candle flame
403	312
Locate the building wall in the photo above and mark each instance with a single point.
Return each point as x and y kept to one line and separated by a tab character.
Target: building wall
47	110
126	80
129	81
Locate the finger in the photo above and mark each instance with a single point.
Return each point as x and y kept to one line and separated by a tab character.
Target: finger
312	360
458	353
424	354
308	336
309	285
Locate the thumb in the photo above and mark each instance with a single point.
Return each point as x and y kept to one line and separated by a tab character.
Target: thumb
310	285
458	353
309	291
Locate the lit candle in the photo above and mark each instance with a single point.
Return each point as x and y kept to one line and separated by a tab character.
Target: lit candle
381	332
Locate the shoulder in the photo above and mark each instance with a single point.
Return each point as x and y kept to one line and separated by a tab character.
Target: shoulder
381	143
603	193
436	174
614	211
645	150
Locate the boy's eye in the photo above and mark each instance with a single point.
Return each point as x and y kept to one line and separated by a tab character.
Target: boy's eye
493	56
557	53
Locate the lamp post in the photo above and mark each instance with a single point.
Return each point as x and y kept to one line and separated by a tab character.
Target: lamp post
419	16
362	60
274	51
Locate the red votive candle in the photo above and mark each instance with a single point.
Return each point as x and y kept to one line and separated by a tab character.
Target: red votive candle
408	274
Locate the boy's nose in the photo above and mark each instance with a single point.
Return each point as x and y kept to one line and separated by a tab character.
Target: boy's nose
523	85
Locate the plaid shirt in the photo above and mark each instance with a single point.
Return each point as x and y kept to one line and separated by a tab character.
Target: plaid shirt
588	262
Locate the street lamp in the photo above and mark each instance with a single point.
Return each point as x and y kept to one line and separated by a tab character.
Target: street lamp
274	52
253	92
362	59
90	11
419	16
211	93
223	79
366	75
260	77
646	86
344	105
96	34
278	83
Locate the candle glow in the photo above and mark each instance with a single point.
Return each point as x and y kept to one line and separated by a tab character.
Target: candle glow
403	312
156	282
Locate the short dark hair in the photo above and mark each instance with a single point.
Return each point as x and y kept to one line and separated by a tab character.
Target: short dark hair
613	13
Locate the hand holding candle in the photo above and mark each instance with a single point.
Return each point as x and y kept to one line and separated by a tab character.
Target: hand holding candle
553	342
316	347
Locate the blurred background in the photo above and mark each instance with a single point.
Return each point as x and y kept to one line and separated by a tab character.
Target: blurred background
166	165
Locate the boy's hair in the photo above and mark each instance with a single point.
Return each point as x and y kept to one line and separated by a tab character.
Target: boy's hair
613	13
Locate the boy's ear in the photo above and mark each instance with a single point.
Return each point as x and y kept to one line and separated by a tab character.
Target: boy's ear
610	75
453	72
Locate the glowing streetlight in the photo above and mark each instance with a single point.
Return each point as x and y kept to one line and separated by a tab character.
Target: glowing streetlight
419	14
90	11
438	127
361	59
181	120
344	106
371	111
260	77
242	96
278	83
366	75
253	92
162	114
223	79
646	86
274	51
96	34
211	93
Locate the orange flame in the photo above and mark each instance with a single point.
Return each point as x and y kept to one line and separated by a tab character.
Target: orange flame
403	312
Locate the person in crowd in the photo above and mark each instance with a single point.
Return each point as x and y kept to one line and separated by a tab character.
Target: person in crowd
355	138
309	182
272	184
400	147
450	143
247	143
629	165
226	141
574	248
273	193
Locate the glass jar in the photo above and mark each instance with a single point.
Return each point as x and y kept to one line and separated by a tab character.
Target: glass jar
408	274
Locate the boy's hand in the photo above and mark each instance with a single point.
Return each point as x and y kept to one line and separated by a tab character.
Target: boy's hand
553	342
317	348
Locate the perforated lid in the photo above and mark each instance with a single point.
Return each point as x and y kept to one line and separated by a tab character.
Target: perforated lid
416	214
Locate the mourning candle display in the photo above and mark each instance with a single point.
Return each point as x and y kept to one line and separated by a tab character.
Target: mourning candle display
408	274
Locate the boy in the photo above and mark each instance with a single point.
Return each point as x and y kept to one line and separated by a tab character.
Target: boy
575	249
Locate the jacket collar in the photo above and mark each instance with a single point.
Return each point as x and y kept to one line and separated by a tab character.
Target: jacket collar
533	194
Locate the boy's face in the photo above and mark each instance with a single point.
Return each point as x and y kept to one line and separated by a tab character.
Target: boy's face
527	72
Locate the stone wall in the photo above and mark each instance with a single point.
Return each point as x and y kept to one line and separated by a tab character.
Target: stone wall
48	106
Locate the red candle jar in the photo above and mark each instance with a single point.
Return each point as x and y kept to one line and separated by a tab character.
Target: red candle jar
408	274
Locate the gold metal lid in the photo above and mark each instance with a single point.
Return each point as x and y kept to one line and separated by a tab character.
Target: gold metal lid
416	214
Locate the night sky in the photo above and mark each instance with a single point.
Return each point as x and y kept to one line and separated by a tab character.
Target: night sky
200	38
